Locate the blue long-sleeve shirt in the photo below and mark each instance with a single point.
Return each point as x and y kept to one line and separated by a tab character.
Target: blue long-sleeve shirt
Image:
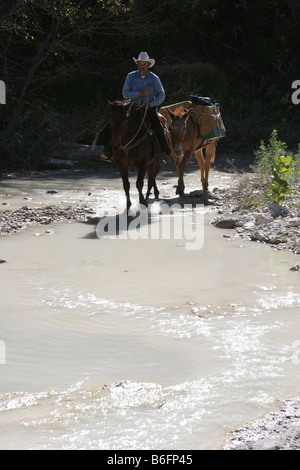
134	83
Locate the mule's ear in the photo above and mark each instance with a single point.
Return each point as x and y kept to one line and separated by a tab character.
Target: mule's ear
126	104
172	115
187	114
128	108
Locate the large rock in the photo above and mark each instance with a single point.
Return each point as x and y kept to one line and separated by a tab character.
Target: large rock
277	210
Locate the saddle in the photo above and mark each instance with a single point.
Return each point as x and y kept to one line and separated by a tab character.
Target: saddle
153	129
206	115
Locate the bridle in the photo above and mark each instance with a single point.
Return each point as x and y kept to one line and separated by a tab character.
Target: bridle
182	141
132	143
203	144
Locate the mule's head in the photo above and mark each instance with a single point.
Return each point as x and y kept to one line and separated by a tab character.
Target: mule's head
178	129
119	113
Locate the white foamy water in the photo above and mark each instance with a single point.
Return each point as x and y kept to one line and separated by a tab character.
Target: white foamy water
141	344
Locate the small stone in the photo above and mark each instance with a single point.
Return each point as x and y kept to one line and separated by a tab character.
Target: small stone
294	222
295	268
226	222
249	225
261	219
258	236
3	261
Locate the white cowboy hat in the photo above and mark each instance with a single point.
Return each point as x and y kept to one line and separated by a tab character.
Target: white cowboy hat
143	57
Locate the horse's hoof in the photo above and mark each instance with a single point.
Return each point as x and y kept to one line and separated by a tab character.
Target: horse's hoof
206	195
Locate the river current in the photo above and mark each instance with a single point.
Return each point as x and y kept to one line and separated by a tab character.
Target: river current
133	343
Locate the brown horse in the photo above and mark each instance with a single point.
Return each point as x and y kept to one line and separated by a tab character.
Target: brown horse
132	147
186	141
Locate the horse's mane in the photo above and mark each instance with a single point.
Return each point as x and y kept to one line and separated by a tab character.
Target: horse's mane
119	103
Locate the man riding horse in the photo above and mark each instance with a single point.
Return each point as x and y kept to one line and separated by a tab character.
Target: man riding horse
144	89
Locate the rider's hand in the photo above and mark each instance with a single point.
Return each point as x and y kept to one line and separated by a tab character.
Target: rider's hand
144	92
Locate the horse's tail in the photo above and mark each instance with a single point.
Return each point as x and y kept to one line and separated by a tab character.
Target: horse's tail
95	140
97	136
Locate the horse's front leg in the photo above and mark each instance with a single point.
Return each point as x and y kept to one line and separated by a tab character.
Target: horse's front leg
125	178
140	185
151	184
204	164
210	153
126	186
152	173
180	171
181	164
156	190
200	158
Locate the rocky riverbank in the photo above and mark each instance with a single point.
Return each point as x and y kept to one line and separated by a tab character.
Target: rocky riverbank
244	208
275	431
14	221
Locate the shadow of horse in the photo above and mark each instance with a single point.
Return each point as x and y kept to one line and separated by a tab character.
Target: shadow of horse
113	226
124	225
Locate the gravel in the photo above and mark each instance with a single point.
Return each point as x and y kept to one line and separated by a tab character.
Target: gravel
247	212
14	221
275	431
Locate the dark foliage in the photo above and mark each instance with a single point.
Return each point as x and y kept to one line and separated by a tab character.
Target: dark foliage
61	60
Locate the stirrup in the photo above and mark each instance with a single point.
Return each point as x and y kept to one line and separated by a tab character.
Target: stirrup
106	156
160	160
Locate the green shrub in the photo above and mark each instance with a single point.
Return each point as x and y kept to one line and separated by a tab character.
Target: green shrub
277	168
280	186
267	154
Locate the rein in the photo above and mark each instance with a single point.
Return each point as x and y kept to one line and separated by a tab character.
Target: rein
127	146
202	145
185	131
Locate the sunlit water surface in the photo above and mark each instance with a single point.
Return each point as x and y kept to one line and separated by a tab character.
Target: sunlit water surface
141	344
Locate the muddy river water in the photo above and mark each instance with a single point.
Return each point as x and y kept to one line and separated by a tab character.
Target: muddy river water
138	343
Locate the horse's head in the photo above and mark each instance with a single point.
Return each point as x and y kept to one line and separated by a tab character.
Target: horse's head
178	129
119	113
